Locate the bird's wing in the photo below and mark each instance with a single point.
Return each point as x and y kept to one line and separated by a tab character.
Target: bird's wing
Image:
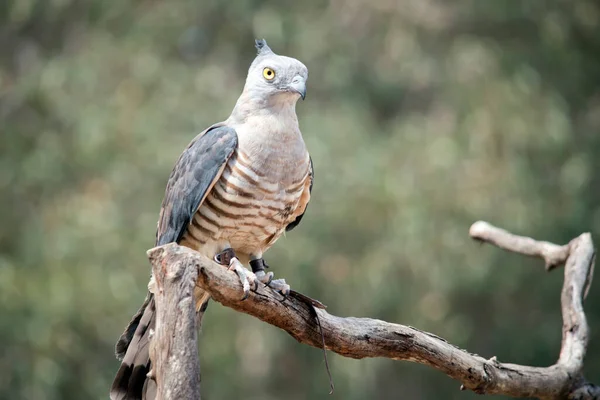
197	170
295	222
195	173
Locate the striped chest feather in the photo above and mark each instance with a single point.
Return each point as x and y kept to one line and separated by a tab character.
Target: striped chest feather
251	204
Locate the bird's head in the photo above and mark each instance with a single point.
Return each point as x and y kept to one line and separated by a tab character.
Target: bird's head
275	78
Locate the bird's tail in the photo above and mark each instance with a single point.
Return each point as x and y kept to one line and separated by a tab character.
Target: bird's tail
131	381
132	348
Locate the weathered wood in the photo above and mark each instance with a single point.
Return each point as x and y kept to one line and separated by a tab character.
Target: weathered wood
364	337
173	348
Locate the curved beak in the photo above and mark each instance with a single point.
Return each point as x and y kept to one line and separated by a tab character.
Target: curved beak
298	85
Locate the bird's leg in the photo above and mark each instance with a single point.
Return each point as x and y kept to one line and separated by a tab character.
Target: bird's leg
248	279
258	267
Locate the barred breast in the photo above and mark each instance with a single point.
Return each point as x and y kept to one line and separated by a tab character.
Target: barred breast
248	209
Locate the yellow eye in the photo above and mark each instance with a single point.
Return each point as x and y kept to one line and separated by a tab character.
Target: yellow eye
269	74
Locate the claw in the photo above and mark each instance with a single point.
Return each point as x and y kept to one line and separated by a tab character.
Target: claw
263	277
281	286
227	258
246	277
224	257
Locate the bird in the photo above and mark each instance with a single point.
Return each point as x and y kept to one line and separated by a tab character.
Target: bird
237	187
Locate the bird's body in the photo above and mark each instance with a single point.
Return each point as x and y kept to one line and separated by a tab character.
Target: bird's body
235	190
263	188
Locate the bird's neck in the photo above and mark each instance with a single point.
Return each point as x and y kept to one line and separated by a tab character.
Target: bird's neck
280	107
268	130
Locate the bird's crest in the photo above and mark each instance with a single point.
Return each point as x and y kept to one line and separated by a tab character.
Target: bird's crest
262	47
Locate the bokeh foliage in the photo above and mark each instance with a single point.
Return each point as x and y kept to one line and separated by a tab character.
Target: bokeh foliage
422	116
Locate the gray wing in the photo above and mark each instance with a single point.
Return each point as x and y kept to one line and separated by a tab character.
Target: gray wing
195	172
295	222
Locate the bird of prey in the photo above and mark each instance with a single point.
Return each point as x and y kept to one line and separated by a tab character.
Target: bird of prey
237	187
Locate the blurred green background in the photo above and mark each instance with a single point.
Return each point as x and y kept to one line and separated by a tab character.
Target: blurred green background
422	116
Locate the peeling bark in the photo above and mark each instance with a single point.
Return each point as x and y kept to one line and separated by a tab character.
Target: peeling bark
173	348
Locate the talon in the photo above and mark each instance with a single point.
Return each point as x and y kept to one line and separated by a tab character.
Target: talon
280	286
247	278
270	276
224	257
263	277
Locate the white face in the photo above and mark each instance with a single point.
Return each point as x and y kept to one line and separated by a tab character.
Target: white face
271	74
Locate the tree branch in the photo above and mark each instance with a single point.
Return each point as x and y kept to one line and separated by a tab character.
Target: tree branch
365	337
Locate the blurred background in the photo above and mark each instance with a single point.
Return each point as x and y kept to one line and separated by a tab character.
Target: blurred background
422	116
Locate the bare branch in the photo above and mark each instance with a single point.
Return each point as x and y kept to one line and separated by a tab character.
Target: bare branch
553	255
364	337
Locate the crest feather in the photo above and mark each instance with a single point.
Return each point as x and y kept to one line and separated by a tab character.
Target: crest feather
262	47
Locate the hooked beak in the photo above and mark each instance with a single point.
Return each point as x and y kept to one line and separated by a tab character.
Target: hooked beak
298	85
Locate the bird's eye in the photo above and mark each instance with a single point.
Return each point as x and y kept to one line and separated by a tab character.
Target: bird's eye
269	74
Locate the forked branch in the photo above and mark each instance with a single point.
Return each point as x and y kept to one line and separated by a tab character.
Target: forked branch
365	337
